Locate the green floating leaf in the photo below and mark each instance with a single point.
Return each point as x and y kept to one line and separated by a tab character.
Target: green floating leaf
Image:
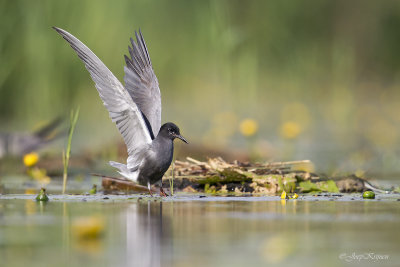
369	195
308	186
325	186
328	186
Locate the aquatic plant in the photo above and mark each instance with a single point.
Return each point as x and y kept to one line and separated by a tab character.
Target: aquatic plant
42	195
67	152
171	178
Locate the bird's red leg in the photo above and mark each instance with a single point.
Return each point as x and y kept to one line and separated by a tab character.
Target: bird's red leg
162	193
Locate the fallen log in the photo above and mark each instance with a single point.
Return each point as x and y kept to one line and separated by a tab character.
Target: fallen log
115	184
219	176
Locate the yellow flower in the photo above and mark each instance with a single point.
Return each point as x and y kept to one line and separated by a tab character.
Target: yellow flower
31	159
290	130
248	127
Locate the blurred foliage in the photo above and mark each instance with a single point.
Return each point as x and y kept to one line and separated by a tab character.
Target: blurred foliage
328	68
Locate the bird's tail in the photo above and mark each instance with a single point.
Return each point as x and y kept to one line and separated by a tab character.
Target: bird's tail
124	171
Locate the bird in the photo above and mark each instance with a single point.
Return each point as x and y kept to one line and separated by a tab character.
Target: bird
20	143
135	109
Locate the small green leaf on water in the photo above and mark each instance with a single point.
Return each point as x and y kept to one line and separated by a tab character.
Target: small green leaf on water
369	194
93	191
42	195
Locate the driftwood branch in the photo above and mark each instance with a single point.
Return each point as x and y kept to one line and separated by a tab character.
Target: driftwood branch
121	184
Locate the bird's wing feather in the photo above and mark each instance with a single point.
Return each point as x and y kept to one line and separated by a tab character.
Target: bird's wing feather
123	111
141	82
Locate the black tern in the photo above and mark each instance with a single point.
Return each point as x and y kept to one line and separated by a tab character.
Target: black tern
19	143
136	110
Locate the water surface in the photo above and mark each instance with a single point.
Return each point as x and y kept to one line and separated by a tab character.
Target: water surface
206	231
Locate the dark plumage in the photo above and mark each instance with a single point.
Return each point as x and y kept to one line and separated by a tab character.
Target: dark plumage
136	110
159	157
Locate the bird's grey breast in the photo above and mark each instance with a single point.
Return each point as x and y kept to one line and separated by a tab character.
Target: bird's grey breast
156	161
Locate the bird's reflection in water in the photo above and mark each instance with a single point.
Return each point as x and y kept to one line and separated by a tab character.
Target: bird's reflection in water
147	234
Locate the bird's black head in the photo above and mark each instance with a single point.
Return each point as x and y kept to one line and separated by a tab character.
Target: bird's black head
171	131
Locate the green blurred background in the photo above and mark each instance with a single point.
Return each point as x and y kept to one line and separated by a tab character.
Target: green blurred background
259	80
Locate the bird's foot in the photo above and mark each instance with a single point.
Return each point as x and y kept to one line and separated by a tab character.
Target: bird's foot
151	194
162	193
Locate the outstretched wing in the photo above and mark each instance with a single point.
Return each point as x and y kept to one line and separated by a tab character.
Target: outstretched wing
141	82
123	111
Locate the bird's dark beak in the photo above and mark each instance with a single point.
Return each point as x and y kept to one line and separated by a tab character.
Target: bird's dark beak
182	138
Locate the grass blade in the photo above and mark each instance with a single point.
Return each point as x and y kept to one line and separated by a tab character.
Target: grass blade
66	154
171	179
